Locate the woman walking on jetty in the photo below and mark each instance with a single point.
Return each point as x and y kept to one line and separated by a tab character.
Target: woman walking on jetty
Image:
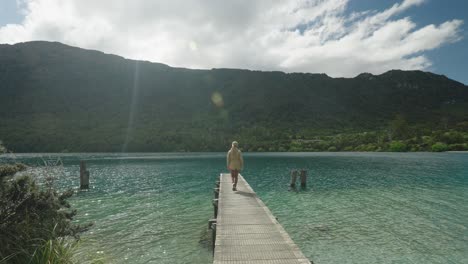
235	163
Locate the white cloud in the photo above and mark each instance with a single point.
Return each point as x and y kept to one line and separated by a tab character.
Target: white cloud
288	35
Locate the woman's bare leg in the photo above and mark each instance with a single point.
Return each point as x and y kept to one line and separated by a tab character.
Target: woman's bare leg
235	175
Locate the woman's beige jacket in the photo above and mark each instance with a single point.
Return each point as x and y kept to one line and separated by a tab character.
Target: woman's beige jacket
234	159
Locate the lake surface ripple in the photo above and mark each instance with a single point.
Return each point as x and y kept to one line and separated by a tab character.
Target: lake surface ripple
357	208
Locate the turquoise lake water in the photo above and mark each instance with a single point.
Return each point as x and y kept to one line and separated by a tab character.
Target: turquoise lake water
358	207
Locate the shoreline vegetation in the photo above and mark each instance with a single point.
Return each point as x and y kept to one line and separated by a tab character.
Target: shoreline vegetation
397	137
35	219
385	141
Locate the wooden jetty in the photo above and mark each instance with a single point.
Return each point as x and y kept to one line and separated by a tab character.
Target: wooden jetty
246	231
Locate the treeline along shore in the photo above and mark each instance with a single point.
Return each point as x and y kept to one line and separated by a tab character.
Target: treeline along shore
57	98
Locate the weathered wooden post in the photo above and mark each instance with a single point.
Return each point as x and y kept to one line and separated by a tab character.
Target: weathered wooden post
303	178
215	207
213	236
211	222
293	178
84	176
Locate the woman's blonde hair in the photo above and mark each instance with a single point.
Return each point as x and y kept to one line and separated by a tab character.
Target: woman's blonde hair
234	143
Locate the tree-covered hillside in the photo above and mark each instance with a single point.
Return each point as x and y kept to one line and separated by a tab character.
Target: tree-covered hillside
60	98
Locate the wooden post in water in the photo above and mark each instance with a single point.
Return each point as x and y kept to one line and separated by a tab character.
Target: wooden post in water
215	207
84	176
293	178
211	222
303	178
213	236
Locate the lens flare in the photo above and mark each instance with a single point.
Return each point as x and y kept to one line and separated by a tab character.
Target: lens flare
217	99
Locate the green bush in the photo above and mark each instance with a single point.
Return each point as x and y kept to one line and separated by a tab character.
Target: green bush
366	147
31	216
295	149
332	149
414	148
398	146
439	147
457	147
11	169
452	137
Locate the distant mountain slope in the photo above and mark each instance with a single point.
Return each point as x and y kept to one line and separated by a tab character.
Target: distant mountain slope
56	97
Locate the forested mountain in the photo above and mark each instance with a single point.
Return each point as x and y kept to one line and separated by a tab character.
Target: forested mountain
56	98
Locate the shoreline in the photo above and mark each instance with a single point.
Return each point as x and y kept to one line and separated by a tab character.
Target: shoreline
208	152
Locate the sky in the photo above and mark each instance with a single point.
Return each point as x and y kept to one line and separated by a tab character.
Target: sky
341	38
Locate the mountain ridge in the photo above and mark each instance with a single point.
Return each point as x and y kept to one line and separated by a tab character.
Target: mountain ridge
57	97
59	44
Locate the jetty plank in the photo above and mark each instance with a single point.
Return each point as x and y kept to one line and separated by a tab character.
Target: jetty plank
247	232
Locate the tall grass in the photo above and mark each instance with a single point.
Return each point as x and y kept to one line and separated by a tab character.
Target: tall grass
62	250
54	251
25	246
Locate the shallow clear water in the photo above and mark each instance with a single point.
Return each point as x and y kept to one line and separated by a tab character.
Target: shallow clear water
358	207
